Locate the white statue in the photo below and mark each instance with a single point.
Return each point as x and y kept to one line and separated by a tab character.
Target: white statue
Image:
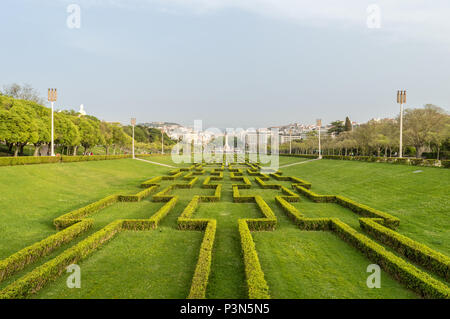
82	111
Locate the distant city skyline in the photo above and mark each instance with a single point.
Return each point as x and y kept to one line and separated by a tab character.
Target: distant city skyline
230	63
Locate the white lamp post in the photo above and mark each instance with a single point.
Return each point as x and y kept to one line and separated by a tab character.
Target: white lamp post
162	140
319	125
401	98
52	96
290	141
133	123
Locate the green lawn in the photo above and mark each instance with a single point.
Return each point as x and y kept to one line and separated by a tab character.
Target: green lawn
421	200
160	263
32	196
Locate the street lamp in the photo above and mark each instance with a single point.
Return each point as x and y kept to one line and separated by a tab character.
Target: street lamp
319	125
401	99
290	141
52	96
162	140
133	123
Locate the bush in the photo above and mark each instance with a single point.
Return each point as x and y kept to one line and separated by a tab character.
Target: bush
37	278
417	252
366	211
25	160
139	196
203	268
256	284
77	215
446	164
412	277
313	196
30	254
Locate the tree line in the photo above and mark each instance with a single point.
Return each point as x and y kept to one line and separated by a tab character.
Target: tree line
24	121
425	129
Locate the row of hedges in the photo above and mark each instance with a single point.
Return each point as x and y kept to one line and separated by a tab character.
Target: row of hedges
37	278
25	160
139	196
293	179
358	208
417	252
256	284
154	220
300	155
366	211
203	268
237	198
76	216
410	276
301	221
393	160
313	196
268	222
214	198
30	254
152	182
83	158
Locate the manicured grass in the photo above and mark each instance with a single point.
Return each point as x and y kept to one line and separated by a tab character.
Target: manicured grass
421	200
160	263
309	264
32	196
149	264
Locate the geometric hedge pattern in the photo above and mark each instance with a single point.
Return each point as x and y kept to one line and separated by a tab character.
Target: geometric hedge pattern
410	266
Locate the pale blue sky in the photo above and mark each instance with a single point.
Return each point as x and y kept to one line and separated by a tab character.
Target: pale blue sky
235	63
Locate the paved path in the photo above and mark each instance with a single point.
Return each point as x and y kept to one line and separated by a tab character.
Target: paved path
303	162
156	163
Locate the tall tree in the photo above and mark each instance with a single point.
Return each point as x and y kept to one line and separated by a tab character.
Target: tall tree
336	128
422	125
348	125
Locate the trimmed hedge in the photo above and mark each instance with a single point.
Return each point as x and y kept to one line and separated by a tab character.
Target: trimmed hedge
358	208
139	196
256	284
37	278
301	182
393	160
214	198
152	182
313	196
300	155
83	158
203	268
237	198
413	278
25	160
30	254
417	252
366	211
247	184
77	215
301	221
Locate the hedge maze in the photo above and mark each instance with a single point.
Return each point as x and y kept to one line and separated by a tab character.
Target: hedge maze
416	266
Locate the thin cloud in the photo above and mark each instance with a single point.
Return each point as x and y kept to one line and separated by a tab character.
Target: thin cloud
407	20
